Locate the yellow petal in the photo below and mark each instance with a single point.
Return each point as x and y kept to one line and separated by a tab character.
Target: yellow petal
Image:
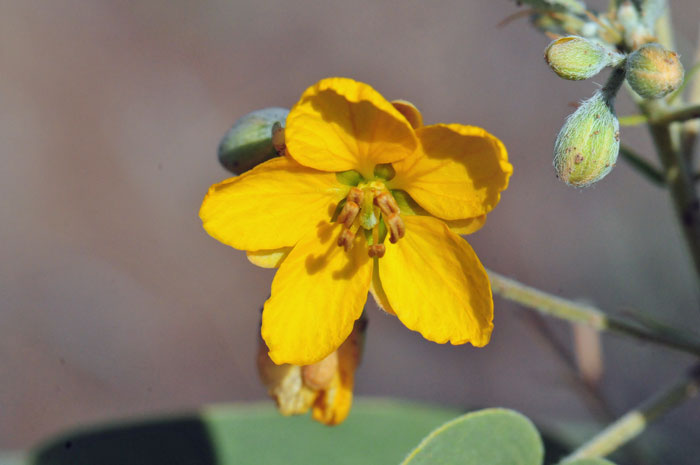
459	173
467	225
377	290
450	302
270	206
268	258
285	384
408	206
340	124
410	112
317	294
333	405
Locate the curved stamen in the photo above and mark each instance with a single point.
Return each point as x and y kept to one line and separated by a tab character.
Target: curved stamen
386	203
345	239
348	214
356	195
397	229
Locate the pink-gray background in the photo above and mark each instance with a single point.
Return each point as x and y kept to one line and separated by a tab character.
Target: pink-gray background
113	300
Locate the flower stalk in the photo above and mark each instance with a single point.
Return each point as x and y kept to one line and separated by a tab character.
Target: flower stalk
685	113
588	315
634	422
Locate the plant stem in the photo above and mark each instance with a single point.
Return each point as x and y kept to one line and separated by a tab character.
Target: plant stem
613	84
652	173
632	120
677	115
689	133
675	145
678	176
633	423
585	314
590	393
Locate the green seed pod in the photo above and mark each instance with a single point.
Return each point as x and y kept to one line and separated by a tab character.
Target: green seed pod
576	58
249	142
653	71
587	145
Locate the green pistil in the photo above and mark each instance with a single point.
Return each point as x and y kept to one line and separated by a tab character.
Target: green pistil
368	219
349	178
382	231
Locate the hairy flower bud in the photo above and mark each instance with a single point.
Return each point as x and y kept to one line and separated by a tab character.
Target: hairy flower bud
576	58
653	71
587	145
249	142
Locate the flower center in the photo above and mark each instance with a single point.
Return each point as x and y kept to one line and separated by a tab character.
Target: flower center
370	209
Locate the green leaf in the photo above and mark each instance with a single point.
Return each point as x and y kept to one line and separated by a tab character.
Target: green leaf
486	437
377	431
12	458
589	462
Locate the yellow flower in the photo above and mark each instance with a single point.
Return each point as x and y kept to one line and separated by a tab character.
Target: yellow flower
358	170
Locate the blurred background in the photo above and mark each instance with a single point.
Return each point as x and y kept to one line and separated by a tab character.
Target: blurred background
114	302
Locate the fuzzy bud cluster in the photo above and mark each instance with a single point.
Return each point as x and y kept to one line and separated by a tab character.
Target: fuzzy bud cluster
586	42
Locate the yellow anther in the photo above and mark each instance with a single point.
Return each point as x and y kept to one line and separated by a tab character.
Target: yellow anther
345	239
377	250
348	214
386	203
396	227
356	195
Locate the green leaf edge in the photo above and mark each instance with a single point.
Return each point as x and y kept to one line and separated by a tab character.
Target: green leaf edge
591	461
471	415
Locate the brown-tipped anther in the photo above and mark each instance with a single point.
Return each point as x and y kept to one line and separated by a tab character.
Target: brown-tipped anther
345	239
278	140
396	227
320	375
386	203
356	195
377	250
348	214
